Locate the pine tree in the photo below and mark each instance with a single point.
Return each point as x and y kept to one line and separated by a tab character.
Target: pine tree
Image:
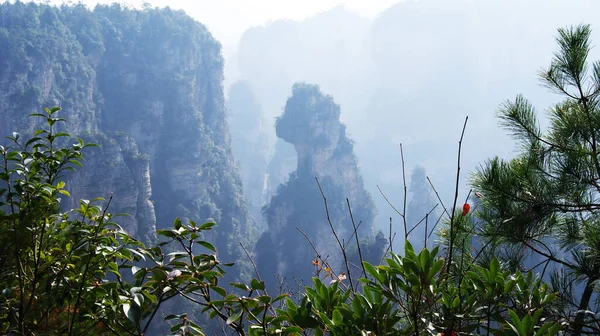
546	200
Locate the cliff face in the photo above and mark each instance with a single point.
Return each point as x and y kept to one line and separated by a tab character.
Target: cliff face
117	168
146	85
249	143
311	124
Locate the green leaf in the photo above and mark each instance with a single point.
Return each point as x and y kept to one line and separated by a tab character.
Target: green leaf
516	322
257	285
206	226
265	299
234	317
158	274
142	257
219	290
177	223
32	140
371	270
241	286
494	267
133	312
196	328
174	316
208	245
138	299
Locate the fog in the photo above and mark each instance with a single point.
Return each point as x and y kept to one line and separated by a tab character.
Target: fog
411	75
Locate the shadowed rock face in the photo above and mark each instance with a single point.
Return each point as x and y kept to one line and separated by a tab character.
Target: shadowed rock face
147	86
311	124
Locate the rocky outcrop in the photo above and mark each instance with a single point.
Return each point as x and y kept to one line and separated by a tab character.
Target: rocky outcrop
311	124
145	85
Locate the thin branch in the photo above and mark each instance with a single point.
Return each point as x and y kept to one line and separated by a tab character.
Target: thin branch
390	237
426	220
160	301
404	182
388	249
364	272
323	261
551	257
335	234
435	226
422	219
352	234
252	261
455	197
388	202
438	196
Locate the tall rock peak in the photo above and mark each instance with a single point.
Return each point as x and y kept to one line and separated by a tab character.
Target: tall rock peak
310	122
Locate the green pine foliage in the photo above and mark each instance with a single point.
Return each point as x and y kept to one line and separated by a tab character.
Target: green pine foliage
546	200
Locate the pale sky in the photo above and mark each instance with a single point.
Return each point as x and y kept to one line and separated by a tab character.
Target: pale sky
228	19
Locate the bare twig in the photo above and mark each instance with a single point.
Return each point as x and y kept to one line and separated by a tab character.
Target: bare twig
252	261
364	272
404	182
390	237
422	220
353	232
438	196
435	225
388	249
388	201
323	261
455	197
426	222
342	248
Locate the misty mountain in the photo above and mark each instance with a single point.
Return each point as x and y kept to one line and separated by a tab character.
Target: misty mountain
411	76
310	122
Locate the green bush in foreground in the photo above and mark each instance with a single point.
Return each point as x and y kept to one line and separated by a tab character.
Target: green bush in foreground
77	272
